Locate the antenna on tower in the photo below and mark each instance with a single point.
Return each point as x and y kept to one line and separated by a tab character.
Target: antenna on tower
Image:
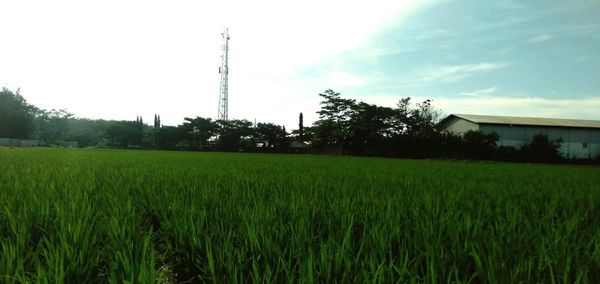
224	71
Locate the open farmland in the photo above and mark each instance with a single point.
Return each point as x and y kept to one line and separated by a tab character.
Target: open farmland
145	216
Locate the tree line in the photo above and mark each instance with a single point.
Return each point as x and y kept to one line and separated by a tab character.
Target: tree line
345	127
21	120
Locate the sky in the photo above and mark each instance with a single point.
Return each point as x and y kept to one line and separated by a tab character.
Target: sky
121	59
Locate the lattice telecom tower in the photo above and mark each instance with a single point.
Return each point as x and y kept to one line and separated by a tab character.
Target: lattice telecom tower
224	71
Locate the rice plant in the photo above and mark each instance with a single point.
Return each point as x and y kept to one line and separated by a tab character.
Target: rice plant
120	216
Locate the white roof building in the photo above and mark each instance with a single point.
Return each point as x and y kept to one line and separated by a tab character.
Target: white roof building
581	138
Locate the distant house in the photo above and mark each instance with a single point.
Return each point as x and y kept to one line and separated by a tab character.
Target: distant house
300	146
581	138
263	144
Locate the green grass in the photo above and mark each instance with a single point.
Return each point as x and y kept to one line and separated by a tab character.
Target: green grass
84	216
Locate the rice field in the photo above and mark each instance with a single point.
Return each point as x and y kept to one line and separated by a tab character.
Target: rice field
118	216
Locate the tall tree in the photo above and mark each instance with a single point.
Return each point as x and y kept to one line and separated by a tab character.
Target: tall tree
199	130
234	134
16	115
153	135
423	119
52	126
401	118
124	134
301	127
332	127
334	107
88	132
273	134
369	126
170	137
156	121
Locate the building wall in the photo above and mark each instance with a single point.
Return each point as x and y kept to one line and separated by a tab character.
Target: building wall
595	144
578	143
460	126
9	142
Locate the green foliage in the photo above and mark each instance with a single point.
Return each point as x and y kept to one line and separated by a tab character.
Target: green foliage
199	131
480	145
123	134
234	135
301	127
16	115
171	137
542	149
119	216
360	128
88	132
369	127
334	107
422	120
156	121
332	127
273	134
52	126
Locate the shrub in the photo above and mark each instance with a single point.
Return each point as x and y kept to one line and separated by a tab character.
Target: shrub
480	145
542	149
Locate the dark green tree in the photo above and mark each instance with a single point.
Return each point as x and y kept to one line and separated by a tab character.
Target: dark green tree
171	137
274	135
422	120
199	131
124	134
52	126
235	135
334	107
370	126
332	127
542	149
301	127
480	145
402	115
16	115
88	132
156	121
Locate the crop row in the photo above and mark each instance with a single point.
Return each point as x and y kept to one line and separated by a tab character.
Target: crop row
144	216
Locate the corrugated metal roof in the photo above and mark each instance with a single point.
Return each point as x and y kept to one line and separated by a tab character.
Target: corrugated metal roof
536	121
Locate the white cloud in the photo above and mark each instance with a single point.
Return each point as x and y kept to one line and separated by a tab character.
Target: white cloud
584	108
482	92
454	73
541	38
344	79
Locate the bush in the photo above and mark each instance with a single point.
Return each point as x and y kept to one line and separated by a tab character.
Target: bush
542	149
480	145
